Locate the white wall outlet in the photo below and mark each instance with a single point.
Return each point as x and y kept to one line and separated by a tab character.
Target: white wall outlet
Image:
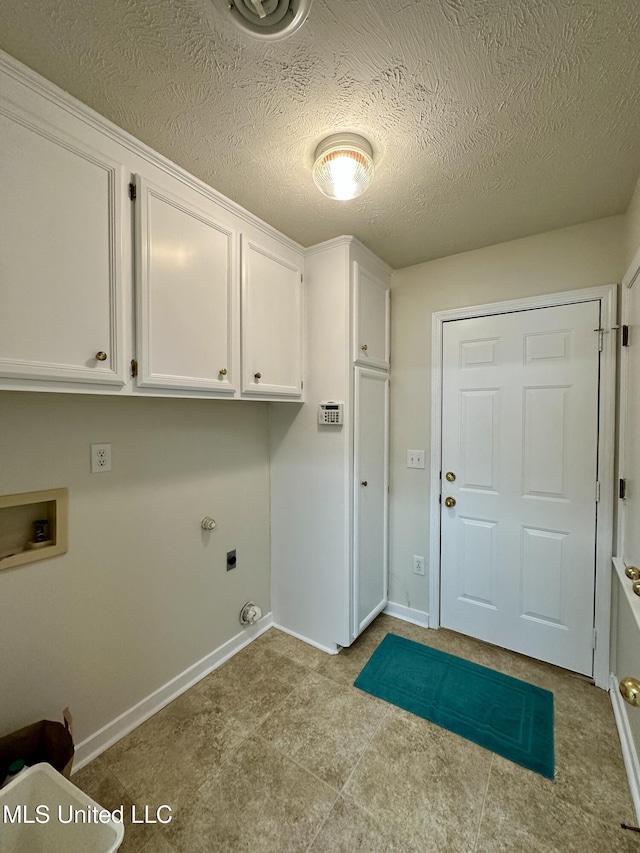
415	458
100	458
418	565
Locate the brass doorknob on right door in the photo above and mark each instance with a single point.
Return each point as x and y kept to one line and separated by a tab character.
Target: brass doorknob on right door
450	476
630	690
449	502
632	572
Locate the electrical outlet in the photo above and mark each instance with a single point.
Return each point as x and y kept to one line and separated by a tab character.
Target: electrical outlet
418	565
100	458
415	458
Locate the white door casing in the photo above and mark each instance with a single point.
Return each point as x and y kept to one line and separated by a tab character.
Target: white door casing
371	412
520	431
607	298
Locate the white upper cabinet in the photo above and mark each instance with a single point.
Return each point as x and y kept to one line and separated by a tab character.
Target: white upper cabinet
186	283
60	256
370	318
271	322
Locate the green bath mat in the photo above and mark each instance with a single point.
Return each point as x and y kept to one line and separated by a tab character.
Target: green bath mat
503	714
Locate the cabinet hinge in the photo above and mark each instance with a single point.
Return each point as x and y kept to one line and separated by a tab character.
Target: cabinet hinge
625	336
595	638
132	191
301	385
301	278
134	368
597	490
622	492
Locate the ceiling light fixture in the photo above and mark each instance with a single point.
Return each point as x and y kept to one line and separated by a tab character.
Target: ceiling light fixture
268	20
343	166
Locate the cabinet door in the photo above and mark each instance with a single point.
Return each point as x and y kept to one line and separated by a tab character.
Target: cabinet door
60	256
370	496
185	280
271	323
370	319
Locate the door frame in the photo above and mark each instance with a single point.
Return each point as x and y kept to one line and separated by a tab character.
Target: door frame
607	296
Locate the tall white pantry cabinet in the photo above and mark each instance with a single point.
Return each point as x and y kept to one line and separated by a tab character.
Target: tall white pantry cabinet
329	482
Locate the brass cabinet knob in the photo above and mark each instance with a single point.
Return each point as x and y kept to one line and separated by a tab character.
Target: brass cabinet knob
364	483
223	372
449	502
101	356
257	376
630	690
632	573
364	347
450	476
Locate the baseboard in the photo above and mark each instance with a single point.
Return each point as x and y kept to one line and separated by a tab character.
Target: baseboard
330	650
105	737
629	752
407	614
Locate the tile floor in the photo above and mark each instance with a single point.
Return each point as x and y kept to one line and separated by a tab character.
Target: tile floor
277	751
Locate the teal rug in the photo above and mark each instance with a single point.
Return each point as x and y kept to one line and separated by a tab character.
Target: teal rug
508	716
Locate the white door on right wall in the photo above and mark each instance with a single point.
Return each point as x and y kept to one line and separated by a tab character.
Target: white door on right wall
519	458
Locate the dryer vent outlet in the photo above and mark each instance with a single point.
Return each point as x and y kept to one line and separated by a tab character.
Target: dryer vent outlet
250	613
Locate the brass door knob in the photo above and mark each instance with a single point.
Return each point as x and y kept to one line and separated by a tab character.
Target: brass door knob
364	483
223	372
257	376
101	356
450	476
632	573
636	587
630	690
364	347
449	502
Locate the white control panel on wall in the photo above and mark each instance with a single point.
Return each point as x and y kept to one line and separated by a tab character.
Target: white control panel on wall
100	458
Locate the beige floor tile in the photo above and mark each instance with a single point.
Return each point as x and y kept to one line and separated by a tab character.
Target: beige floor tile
422	781
351	829
589	769
158	844
520	818
324	726
253	683
96	780
258	801
284	644
165	759
345	666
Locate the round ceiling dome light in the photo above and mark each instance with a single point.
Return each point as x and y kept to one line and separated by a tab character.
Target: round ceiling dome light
268	20
343	167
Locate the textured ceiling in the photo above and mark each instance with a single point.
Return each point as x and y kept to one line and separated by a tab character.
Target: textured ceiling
490	119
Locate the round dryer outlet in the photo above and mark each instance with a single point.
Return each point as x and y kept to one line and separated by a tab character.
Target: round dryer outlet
250	613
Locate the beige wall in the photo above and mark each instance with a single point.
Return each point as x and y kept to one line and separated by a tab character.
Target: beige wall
581	256
632	226
143	592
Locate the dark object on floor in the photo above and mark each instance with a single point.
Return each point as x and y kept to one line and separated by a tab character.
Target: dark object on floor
43	741
508	716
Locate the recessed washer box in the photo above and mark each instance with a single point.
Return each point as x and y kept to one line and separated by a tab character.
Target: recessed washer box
33	526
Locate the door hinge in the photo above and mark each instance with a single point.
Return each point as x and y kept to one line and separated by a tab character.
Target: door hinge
622	492
132	191
134	368
595	638
625	336
597	490
600	338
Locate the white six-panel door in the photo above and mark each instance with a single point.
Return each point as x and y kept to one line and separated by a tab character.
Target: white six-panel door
520	437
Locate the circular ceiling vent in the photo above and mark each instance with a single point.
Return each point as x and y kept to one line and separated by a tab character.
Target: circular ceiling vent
268	20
